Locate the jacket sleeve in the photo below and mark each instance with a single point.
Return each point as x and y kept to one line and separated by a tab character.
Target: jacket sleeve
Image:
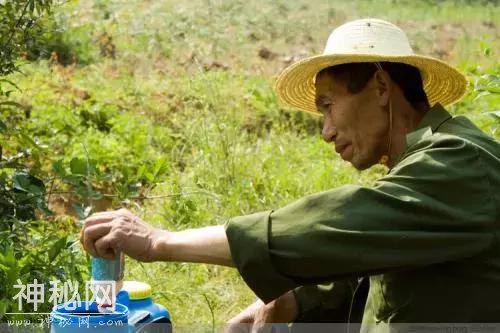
434	206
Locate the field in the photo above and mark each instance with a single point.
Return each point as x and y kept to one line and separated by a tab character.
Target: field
167	108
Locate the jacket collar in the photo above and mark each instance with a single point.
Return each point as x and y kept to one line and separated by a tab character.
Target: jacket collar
434	118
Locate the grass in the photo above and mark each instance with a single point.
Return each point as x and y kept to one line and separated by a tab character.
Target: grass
186	85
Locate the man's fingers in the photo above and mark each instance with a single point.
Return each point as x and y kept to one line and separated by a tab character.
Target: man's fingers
242	322
264	319
81	236
92	234
245	316
241	318
100	218
105	247
237	328
262	327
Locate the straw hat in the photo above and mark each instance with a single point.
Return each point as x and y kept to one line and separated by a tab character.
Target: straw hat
368	40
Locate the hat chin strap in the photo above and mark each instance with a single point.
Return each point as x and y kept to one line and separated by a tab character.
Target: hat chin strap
385	158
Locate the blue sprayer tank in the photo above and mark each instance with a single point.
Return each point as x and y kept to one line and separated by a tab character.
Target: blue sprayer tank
135	311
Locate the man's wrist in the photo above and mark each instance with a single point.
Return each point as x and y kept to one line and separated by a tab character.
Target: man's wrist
160	250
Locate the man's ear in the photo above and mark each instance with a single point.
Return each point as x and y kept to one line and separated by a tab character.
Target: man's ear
383	87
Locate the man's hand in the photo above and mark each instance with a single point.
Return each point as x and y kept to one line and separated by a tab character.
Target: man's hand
256	317
107	233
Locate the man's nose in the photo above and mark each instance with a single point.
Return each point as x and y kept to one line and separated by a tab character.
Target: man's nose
329	132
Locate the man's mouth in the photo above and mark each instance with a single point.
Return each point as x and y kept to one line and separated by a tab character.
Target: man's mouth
341	149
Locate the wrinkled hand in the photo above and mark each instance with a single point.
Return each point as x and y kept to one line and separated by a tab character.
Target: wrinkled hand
257	318
106	234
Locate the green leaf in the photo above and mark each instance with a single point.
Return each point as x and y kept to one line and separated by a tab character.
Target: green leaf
12	273
32	6
78	166
56	248
7	259
3	126
21	181
26	140
150	177
25	182
4	302
58	168
75	180
141	171
34	189
159	165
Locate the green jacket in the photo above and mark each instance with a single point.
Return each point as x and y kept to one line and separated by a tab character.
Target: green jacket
426	235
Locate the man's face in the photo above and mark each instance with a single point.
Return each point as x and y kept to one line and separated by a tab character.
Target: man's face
356	123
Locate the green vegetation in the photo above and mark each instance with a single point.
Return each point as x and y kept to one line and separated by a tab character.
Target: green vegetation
167	108
31	248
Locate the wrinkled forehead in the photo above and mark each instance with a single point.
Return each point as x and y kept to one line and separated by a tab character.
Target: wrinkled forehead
322	80
325	84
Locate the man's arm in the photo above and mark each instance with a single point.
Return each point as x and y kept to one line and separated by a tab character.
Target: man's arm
108	233
207	245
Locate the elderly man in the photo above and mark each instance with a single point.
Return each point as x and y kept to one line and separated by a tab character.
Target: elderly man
421	246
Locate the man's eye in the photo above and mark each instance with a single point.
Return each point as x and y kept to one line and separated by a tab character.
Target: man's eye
325	107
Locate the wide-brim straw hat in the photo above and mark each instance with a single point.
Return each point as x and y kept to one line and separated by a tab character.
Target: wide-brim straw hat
368	40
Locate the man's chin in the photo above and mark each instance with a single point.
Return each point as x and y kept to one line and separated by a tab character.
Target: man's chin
361	165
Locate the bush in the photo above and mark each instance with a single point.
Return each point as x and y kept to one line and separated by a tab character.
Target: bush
29	248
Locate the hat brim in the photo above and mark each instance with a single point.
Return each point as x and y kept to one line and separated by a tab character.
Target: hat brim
295	86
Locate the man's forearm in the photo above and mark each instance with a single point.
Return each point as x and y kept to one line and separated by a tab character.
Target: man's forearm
207	245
